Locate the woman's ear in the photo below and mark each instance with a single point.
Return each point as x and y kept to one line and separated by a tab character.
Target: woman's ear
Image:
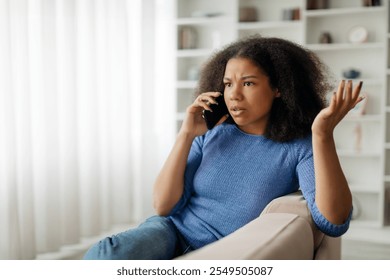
277	93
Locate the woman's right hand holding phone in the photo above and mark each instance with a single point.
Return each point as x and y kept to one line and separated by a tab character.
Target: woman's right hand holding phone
194	123
169	184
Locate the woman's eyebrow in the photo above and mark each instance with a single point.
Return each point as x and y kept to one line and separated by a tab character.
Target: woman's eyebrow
249	77
242	78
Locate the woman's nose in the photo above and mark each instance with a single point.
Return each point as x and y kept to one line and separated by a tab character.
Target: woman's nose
235	93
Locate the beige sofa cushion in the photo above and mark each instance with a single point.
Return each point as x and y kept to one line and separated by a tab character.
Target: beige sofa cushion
271	236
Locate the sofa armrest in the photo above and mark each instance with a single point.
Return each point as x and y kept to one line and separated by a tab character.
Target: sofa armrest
325	247
270	236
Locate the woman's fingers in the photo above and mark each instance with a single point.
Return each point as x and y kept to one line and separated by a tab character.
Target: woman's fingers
342	101
356	98
340	92
206	99
356	91
348	93
347	96
352	95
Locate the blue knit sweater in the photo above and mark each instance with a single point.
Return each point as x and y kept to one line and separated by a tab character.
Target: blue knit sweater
231	176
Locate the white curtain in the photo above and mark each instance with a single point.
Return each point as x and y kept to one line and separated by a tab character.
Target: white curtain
73	109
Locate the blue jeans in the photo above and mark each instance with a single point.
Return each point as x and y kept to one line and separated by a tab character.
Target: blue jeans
155	239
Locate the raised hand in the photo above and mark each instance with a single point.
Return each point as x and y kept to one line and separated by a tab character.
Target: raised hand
341	103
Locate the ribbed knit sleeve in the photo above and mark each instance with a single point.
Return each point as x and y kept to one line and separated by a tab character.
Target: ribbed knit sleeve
193	162
327	227
306	178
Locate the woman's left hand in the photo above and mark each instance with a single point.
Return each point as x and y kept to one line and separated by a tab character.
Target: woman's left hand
341	103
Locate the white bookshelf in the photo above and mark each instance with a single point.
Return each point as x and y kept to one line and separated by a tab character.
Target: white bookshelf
367	167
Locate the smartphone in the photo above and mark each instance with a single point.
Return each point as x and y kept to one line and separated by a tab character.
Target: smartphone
220	110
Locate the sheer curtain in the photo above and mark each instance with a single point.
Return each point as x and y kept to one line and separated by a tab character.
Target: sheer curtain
80	136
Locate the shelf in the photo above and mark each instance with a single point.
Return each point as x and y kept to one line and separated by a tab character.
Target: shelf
387	179
363	118
269	25
356	154
373	233
359	188
344	46
366	81
365	223
344	11
204	20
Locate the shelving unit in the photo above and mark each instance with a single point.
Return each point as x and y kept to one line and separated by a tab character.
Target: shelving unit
358	139
366	158
270	19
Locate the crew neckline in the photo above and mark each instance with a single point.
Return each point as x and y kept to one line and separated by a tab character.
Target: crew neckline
261	136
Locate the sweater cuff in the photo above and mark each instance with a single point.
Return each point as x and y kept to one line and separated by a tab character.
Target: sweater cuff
328	228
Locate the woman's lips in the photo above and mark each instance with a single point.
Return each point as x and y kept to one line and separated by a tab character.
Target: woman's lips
236	111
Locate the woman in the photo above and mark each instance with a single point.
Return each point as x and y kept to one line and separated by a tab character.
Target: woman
277	137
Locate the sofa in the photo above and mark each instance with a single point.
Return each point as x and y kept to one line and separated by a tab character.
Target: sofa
284	231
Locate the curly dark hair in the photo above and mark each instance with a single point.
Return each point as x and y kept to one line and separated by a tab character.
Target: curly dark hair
298	74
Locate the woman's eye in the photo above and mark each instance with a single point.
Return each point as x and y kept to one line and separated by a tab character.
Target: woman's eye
228	84
247	84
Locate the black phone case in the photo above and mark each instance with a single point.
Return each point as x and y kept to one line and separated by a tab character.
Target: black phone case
220	110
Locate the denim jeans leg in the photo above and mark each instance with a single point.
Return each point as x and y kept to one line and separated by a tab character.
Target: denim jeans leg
155	239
